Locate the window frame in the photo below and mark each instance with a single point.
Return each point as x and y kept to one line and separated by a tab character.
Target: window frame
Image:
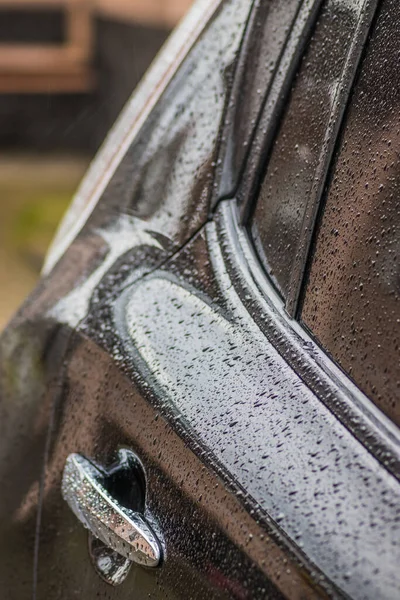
315	233
276	319
267	129
233	141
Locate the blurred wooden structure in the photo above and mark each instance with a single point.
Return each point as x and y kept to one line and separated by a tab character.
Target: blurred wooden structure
67	66
159	13
46	68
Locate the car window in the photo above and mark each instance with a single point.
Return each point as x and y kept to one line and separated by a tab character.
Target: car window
296	165
264	42
352	298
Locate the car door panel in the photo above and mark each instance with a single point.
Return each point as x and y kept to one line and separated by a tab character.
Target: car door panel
31	357
153	334
190	338
209	536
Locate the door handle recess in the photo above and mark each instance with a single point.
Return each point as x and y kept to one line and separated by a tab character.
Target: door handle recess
119	528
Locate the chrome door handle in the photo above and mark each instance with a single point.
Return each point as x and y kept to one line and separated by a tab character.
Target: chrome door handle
124	531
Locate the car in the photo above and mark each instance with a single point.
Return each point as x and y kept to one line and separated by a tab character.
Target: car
200	399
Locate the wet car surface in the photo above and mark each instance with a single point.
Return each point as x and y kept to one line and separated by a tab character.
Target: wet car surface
192	312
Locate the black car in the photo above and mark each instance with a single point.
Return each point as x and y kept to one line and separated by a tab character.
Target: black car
207	376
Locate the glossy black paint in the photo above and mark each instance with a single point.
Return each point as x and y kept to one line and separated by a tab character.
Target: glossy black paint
267	471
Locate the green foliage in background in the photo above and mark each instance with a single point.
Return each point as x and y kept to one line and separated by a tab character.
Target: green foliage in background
34	224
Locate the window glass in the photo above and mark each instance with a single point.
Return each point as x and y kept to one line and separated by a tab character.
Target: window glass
352	299
301	144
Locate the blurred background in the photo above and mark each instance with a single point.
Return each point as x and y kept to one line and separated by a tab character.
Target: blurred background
67	67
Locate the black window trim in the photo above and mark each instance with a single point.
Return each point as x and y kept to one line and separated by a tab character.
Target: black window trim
274	106
245	187
228	179
369	425
314	233
322	375
268	125
332	134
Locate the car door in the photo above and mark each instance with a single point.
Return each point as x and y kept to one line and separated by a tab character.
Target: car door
314	457
104	403
253	476
108	404
166	113
319	163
